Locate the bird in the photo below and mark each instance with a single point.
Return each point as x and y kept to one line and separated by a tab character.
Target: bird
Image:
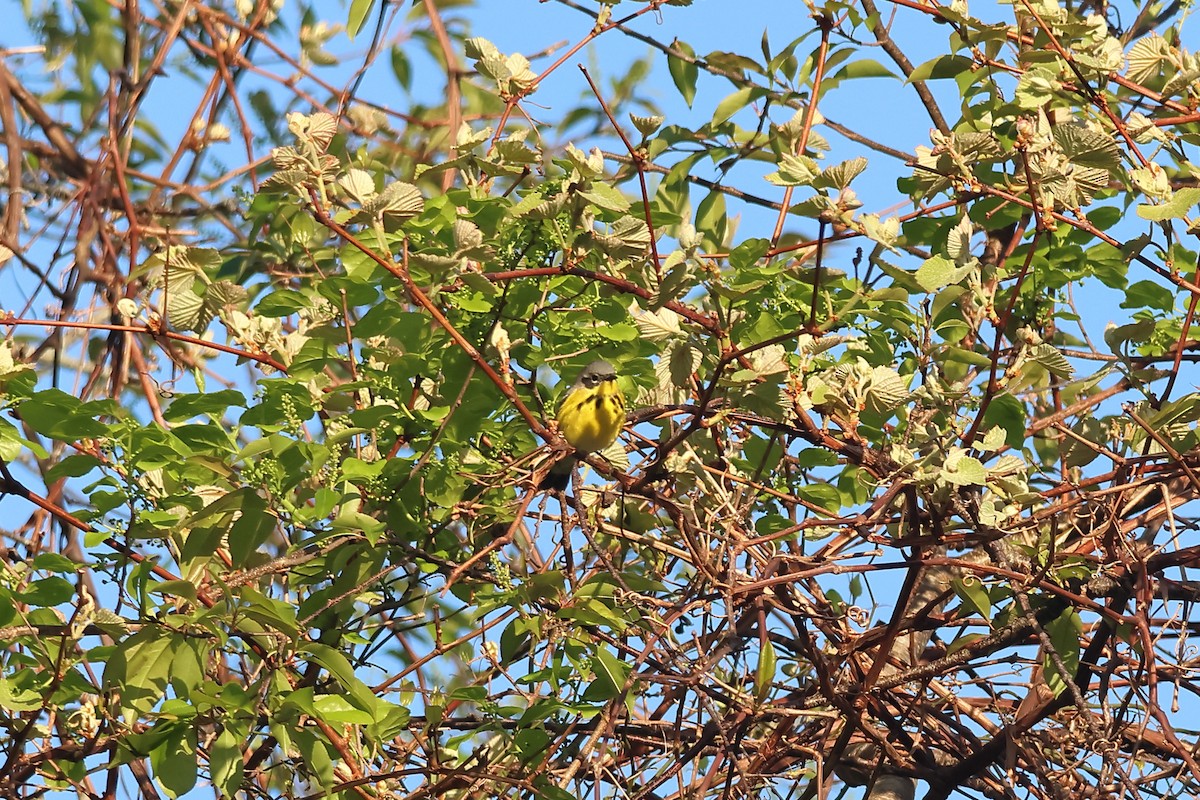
589	418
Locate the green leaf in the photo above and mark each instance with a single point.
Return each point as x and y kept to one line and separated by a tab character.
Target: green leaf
607	197
1064	634
1148	56
735	103
58	415
240	514
225	760
270	612
735	63
747	254
337	665
17	695
1152	180
941	67
177	589
961	469
993	439
823	495
940	271
185	406
1049	357
315	752
140	667
1117	336
1037	87
1181	202
531	742
47	592
402	67
1087	147
795	171
1079	454
840	175
864	68
710	218
974	595
963	356
393	722
359	11
611	674
174	761
683	72
282	303
336	709
186	309
54	562
545	790
764	674
11	442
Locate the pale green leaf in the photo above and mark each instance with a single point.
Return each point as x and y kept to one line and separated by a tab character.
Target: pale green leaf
1182	201
940	271
961	469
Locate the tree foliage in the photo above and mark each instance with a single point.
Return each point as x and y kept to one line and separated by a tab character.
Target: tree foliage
903	502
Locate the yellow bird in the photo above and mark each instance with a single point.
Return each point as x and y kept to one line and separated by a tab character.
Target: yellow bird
590	417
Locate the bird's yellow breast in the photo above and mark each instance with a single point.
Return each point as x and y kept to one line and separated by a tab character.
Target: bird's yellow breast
590	419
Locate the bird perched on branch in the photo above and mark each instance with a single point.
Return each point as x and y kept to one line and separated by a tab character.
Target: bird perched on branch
590	417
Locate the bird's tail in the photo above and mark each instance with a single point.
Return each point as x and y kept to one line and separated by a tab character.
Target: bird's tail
558	476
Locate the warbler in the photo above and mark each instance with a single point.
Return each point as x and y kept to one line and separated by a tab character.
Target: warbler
590	417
